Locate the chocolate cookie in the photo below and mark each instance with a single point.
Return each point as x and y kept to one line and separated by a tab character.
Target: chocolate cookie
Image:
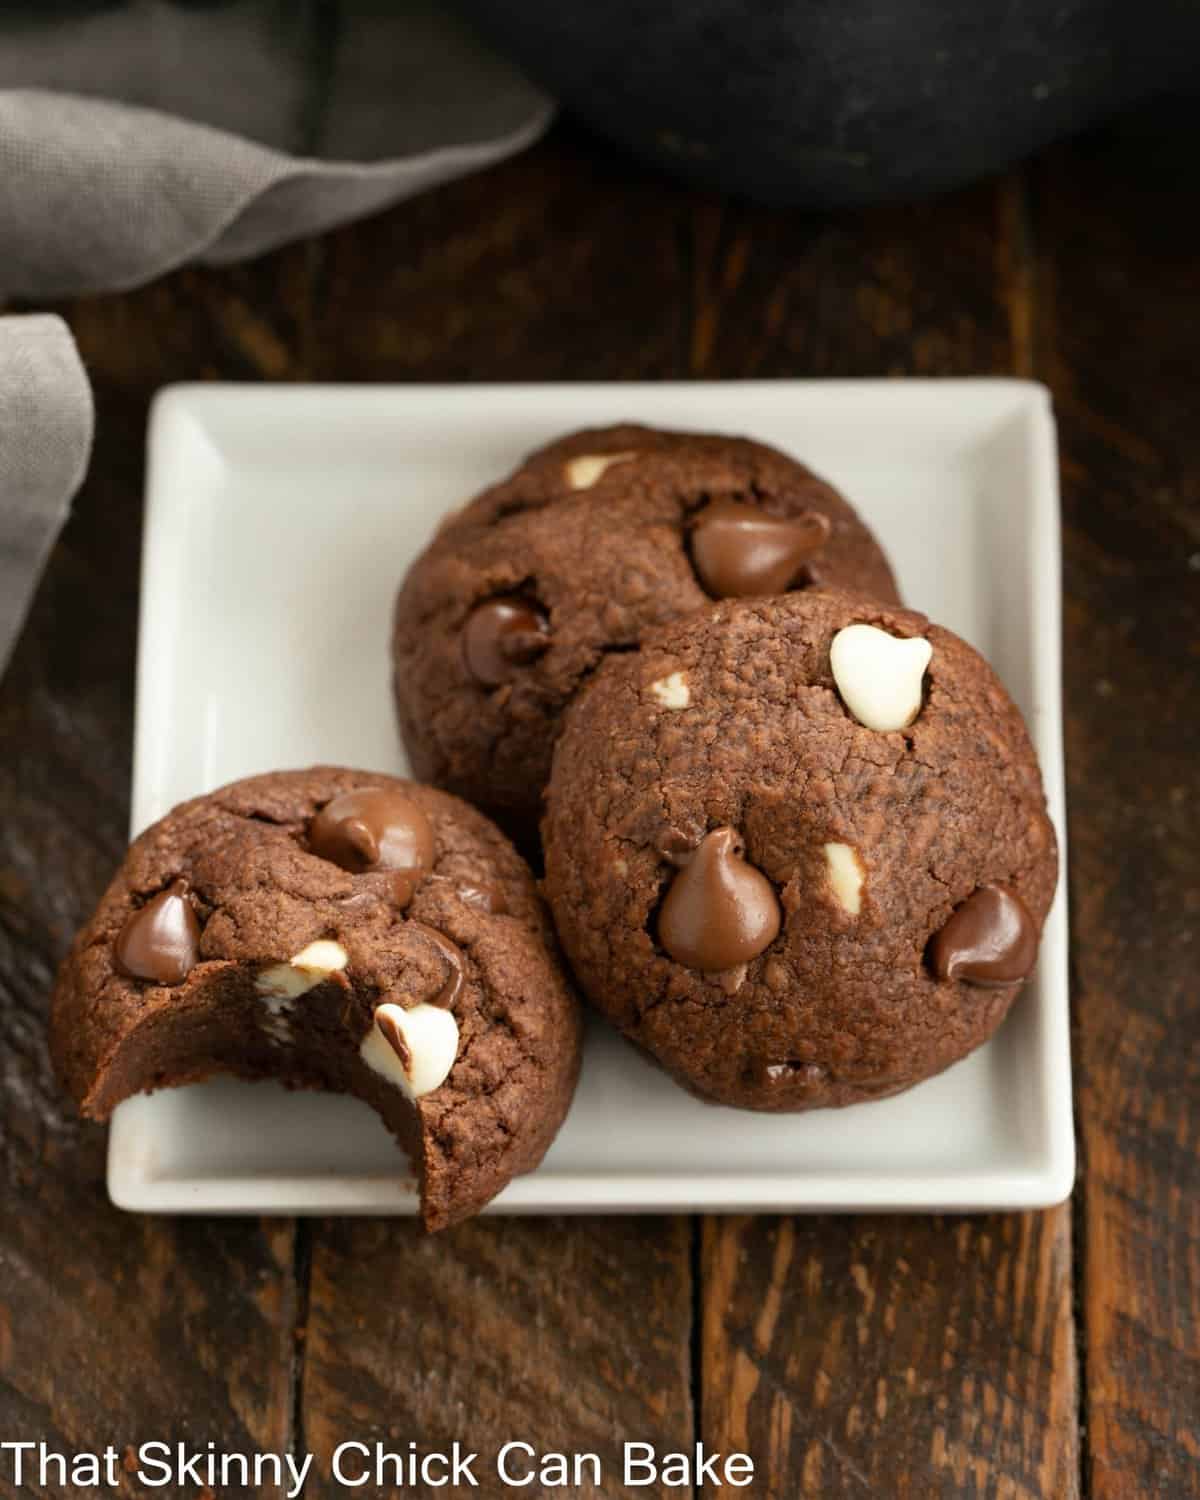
798	850
336	930
590	543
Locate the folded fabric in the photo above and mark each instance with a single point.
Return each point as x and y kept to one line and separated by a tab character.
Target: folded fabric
140	136
45	438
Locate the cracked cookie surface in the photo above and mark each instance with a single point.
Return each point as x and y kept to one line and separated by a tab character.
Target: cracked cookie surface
278	960
725	748
591	542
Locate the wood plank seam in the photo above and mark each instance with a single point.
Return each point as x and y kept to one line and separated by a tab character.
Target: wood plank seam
1035	322
695	1332
301	1291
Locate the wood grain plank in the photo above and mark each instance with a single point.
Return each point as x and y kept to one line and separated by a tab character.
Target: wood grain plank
565	263
1118	290
903	1357
925	289
570	1335
906	1356
113	1329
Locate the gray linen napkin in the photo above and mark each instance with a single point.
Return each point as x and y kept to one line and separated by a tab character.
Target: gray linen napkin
138	136
45	438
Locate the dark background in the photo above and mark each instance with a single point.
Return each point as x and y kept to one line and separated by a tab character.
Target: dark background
1049	1354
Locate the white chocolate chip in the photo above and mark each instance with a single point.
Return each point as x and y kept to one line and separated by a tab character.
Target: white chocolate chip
846	876
282	984
429	1036
310	967
672	691
879	675
583	472
277	1020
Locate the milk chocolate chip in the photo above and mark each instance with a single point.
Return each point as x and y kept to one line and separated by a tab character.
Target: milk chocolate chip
376	828
719	911
990	940
455	963
161	940
393	1034
740	550
501	636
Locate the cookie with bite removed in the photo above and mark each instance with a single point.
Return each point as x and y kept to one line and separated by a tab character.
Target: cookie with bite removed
340	930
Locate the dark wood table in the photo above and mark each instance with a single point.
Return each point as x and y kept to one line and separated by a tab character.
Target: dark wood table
1011	1355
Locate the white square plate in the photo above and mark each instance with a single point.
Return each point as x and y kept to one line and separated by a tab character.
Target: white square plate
279	522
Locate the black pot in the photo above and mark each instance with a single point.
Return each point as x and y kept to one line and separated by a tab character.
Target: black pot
825	102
